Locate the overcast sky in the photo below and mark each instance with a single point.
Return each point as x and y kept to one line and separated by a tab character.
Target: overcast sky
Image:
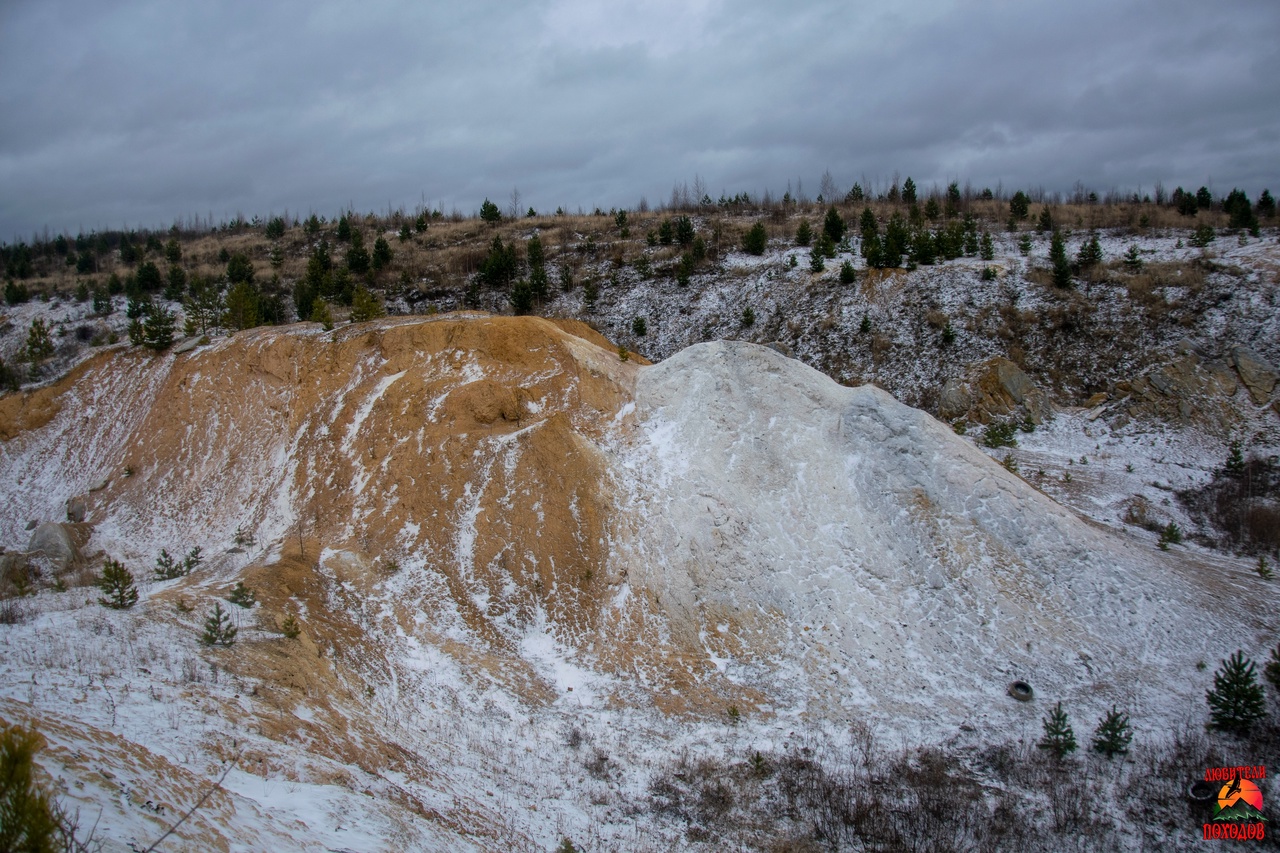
137	113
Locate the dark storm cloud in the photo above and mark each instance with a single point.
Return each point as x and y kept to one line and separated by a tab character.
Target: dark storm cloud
142	112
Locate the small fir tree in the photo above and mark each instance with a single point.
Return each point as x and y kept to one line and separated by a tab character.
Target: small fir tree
157	329
39	342
1045	223
1113	735
756	240
242	596
116	583
1058	736
290	628
833	225
1133	258
1235	460
848	275
1171	535
320	314
748	317
218	630
1058	259
1019	205
521	297
1024	245
685	231
1264	570
381	253
1266	206
167	568
365	305
1236	701
988	249
1090	253
489	212
816	263
804	234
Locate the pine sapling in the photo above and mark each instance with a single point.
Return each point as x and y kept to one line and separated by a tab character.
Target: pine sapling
1113	735
1058	736
242	595
1264	570
1236	701
116	583
290	628
218	630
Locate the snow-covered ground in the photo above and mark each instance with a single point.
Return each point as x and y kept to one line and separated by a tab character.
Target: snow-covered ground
814	556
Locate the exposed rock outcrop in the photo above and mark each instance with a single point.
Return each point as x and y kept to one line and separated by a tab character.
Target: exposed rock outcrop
998	389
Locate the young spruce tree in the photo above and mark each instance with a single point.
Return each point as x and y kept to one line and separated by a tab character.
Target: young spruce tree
1058	736
1058	258
1113	735
1236	701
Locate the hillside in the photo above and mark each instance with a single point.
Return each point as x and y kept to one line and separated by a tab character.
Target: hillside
530	575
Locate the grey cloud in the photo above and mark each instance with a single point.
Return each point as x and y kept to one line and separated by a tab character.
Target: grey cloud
138	112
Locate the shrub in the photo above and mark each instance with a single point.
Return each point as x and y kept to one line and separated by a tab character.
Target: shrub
218	630
1058	738
1236	701
116	583
756	241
